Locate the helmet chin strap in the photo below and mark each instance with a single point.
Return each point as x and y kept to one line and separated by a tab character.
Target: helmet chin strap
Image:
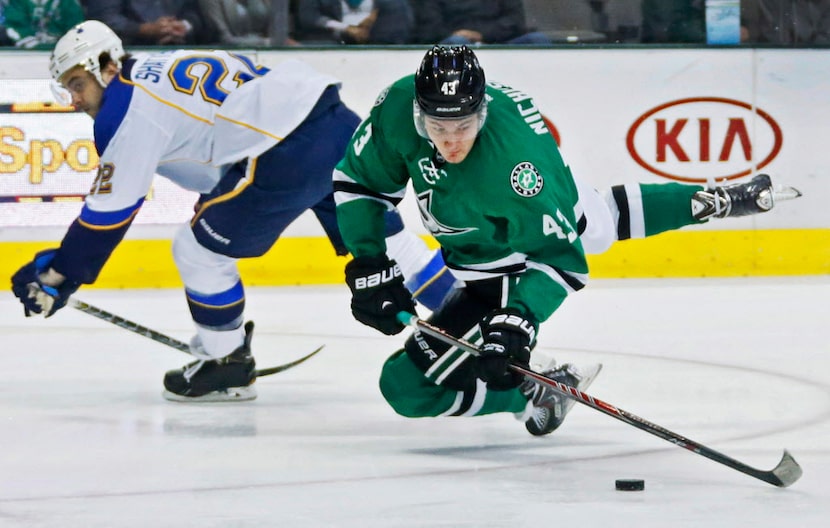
99	75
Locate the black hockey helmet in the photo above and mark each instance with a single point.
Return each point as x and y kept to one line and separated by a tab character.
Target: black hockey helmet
449	84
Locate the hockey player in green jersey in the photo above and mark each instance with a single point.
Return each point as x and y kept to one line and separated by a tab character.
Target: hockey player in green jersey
514	226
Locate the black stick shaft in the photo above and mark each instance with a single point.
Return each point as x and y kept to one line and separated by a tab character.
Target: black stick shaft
167	340
784	474
130	325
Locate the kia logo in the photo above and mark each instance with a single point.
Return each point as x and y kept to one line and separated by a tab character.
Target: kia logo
704	138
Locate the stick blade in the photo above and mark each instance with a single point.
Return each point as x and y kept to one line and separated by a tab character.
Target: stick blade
787	471
280	368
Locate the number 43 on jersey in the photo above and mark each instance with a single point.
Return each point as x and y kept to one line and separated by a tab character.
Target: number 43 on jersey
559	227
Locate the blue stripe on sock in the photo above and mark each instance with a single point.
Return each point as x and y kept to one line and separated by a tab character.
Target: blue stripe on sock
433	283
217	309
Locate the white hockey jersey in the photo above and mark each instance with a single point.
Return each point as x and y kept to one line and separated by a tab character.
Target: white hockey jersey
185	113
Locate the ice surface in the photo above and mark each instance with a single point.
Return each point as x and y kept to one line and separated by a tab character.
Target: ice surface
740	365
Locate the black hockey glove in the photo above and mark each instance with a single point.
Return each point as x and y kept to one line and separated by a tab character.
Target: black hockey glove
36	296
378	293
508	336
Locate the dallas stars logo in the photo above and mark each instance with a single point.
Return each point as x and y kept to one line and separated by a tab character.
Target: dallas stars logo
435	227
526	180
381	97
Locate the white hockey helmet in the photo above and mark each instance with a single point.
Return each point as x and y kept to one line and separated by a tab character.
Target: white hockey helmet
82	46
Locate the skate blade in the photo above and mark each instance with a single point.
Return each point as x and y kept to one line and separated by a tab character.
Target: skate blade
588	375
783	192
235	394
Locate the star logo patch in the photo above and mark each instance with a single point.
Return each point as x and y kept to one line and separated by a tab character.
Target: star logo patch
526	180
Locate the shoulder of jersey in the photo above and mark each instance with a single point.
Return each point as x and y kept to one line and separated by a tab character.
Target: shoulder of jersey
400	92
517	113
498	99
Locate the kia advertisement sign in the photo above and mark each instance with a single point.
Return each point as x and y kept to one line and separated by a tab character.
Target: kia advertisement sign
703	139
620	116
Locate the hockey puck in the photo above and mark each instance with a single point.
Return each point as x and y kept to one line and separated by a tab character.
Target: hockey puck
630	484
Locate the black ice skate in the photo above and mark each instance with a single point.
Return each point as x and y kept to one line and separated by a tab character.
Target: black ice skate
740	199
549	406
228	379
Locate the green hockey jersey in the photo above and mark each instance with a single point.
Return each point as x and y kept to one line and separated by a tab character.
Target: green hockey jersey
509	208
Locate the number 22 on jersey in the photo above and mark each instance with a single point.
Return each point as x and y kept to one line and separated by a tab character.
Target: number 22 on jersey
212	71
102	183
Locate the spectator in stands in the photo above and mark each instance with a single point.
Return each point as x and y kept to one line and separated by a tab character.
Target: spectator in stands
473	22
677	21
354	22
788	21
39	23
241	23
4	37
151	22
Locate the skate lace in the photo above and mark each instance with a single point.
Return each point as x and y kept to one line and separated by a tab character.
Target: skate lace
542	397
192	369
718	209
719	196
547	397
540	416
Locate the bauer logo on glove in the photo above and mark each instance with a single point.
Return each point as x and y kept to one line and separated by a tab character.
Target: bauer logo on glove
376	279
378	293
507	336
515	321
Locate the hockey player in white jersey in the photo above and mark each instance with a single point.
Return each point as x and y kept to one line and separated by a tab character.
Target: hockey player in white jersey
258	144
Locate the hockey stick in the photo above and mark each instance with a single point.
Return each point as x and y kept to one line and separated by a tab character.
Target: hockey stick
130	325
782	475
167	340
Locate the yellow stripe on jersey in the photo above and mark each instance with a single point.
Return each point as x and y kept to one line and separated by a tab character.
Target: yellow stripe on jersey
97	227
250	127
163	101
250	173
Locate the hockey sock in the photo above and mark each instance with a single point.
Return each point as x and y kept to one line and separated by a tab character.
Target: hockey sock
218	318
427	278
649	209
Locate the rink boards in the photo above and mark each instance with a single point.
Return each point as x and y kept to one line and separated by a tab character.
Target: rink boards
620	116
